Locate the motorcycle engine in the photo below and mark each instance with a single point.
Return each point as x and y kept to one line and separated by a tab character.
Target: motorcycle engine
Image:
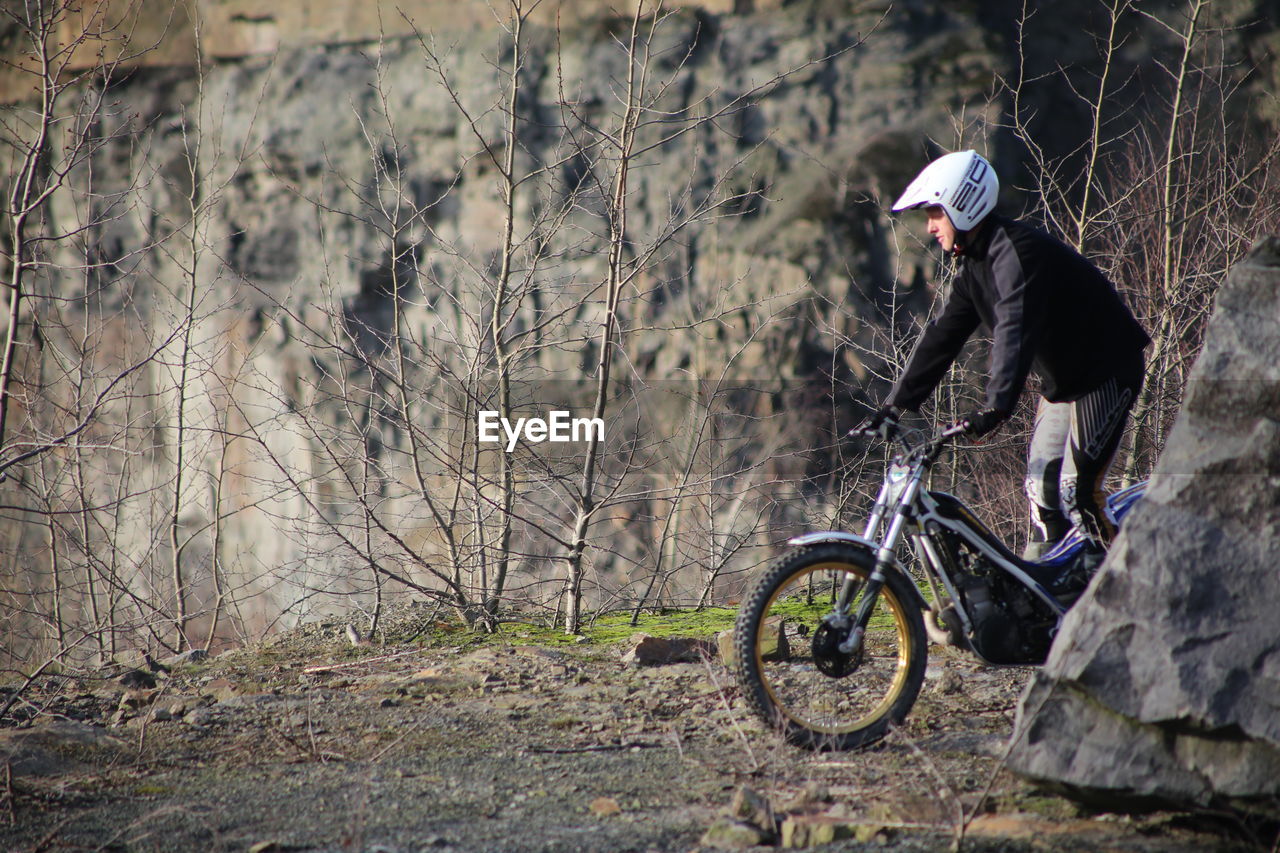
1010	625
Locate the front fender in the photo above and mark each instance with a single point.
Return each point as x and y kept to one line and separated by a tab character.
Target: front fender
822	537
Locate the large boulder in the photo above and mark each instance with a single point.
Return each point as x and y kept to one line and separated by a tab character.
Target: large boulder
1163	688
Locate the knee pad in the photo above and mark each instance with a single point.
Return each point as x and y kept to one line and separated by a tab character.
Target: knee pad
1042	485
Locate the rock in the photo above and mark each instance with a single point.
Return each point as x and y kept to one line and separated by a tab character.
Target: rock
255	700
138	679
748	822
774	644
605	807
1163	687
200	717
190	656
44	749
647	650
748	806
724	646
914	808
1044	834
137	698
220	690
266	847
812	794
541	654
729	834
456	679
812	830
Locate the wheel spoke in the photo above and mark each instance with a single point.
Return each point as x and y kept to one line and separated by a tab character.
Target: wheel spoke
820	695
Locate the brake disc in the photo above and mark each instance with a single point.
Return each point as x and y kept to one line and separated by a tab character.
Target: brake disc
827	655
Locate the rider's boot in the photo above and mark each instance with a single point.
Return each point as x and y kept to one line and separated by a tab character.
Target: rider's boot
1076	575
1037	548
1048	527
1090	556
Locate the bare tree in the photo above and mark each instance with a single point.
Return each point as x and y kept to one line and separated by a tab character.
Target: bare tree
47	137
1166	193
444	329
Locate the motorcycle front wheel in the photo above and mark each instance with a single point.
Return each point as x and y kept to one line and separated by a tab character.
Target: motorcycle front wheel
789	664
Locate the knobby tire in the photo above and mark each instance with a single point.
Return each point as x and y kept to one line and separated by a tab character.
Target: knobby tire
774	646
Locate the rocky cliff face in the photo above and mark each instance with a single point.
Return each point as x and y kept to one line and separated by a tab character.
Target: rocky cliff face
288	268
307	253
1164	685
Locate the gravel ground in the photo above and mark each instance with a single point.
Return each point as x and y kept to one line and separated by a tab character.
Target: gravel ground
308	743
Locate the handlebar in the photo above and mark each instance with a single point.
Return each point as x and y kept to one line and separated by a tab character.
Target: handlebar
932	447
929	448
899	434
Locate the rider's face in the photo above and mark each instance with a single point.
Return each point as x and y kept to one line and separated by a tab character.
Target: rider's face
940	227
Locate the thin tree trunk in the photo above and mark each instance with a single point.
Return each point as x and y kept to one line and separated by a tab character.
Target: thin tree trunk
636	72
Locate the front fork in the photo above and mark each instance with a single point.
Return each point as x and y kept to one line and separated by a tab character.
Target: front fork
856	623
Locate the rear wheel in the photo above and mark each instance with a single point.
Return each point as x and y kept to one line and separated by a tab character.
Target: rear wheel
789	662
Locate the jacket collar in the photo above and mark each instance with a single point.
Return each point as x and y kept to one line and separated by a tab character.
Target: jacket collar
977	240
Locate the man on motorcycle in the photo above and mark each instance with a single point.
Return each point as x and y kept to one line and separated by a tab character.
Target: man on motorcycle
1048	310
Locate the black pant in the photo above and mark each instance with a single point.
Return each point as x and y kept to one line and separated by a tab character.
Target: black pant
1072	447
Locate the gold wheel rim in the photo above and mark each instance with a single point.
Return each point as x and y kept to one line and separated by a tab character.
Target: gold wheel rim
897	685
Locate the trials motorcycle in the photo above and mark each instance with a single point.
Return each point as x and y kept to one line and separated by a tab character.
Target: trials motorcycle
831	641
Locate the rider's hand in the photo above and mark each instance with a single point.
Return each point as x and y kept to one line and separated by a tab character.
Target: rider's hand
983	421
883	422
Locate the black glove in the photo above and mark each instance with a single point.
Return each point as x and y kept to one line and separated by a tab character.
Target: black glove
883	422
983	421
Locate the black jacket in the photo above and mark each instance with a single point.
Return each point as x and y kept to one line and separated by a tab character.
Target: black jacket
1047	308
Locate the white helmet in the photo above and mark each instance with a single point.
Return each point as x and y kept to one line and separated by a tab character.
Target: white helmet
963	184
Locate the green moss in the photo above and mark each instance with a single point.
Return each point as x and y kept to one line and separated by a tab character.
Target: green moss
151	790
811	610
1043	805
612	628
706	622
563	722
